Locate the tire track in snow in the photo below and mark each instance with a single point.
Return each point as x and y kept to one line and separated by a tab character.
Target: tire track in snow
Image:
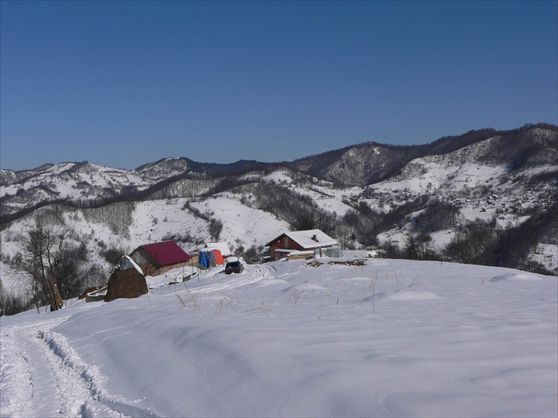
16	389
41	375
35	386
97	401
49	395
251	276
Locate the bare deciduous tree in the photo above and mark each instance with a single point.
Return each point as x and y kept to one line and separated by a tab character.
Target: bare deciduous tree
49	259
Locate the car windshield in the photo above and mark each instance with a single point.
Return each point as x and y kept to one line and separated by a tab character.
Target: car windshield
233	264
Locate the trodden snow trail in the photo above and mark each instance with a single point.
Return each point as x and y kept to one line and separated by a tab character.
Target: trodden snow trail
251	275
53	394
29	385
40	377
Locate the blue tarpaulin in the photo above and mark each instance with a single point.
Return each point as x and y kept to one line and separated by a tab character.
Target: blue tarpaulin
202	260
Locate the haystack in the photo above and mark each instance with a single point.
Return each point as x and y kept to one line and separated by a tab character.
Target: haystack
128	283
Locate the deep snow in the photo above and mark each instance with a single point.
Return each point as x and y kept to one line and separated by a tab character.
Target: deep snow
391	338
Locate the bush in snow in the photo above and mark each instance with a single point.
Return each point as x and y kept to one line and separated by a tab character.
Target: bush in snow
252	255
418	248
215	228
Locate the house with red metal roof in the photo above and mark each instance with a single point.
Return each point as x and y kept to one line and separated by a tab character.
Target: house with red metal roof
159	257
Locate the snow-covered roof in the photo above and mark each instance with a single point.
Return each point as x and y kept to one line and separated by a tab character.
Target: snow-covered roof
223	248
133	263
311	238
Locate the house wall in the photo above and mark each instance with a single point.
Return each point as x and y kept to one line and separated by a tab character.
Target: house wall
300	256
143	260
194	260
283	242
164	269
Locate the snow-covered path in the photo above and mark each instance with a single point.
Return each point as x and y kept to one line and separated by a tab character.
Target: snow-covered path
38	376
55	388
252	275
31	378
42	376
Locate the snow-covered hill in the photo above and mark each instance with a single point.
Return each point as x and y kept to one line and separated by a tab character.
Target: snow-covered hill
532	150
79	182
470	177
392	338
506	179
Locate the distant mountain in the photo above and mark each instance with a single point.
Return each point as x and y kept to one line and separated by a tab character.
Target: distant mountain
423	201
357	165
371	162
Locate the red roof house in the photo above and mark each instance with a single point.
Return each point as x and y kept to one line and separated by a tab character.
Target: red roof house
159	257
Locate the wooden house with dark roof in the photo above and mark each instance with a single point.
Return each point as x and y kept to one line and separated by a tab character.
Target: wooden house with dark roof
301	243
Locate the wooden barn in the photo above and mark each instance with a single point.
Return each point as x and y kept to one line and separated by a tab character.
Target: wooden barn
298	242
159	257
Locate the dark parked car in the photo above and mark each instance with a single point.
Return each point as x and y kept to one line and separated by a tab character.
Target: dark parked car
233	267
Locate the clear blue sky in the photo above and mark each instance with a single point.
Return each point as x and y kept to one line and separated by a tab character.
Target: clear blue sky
123	83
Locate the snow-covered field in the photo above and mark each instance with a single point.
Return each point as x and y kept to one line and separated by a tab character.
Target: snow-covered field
391	338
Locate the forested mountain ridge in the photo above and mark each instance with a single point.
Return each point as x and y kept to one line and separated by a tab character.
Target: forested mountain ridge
484	197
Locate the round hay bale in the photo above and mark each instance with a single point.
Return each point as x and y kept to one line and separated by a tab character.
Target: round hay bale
128	283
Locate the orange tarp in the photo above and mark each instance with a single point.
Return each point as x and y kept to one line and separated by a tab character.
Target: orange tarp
219	260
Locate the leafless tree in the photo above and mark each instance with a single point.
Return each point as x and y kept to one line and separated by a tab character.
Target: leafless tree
49	259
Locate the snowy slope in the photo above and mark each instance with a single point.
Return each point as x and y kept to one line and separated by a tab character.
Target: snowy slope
65	179
80	182
242	225
467	174
324	193
487	175
392	338
125	226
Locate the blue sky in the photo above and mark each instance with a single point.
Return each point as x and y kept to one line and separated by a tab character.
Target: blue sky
124	83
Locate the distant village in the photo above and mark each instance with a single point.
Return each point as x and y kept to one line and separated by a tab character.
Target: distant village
165	262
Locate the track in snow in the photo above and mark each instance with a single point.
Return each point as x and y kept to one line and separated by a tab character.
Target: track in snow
251	275
41	376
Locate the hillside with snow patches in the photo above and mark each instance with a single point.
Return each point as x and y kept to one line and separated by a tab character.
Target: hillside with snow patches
392	338
504	179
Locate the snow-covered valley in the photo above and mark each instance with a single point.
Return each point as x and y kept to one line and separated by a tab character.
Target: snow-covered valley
391	338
